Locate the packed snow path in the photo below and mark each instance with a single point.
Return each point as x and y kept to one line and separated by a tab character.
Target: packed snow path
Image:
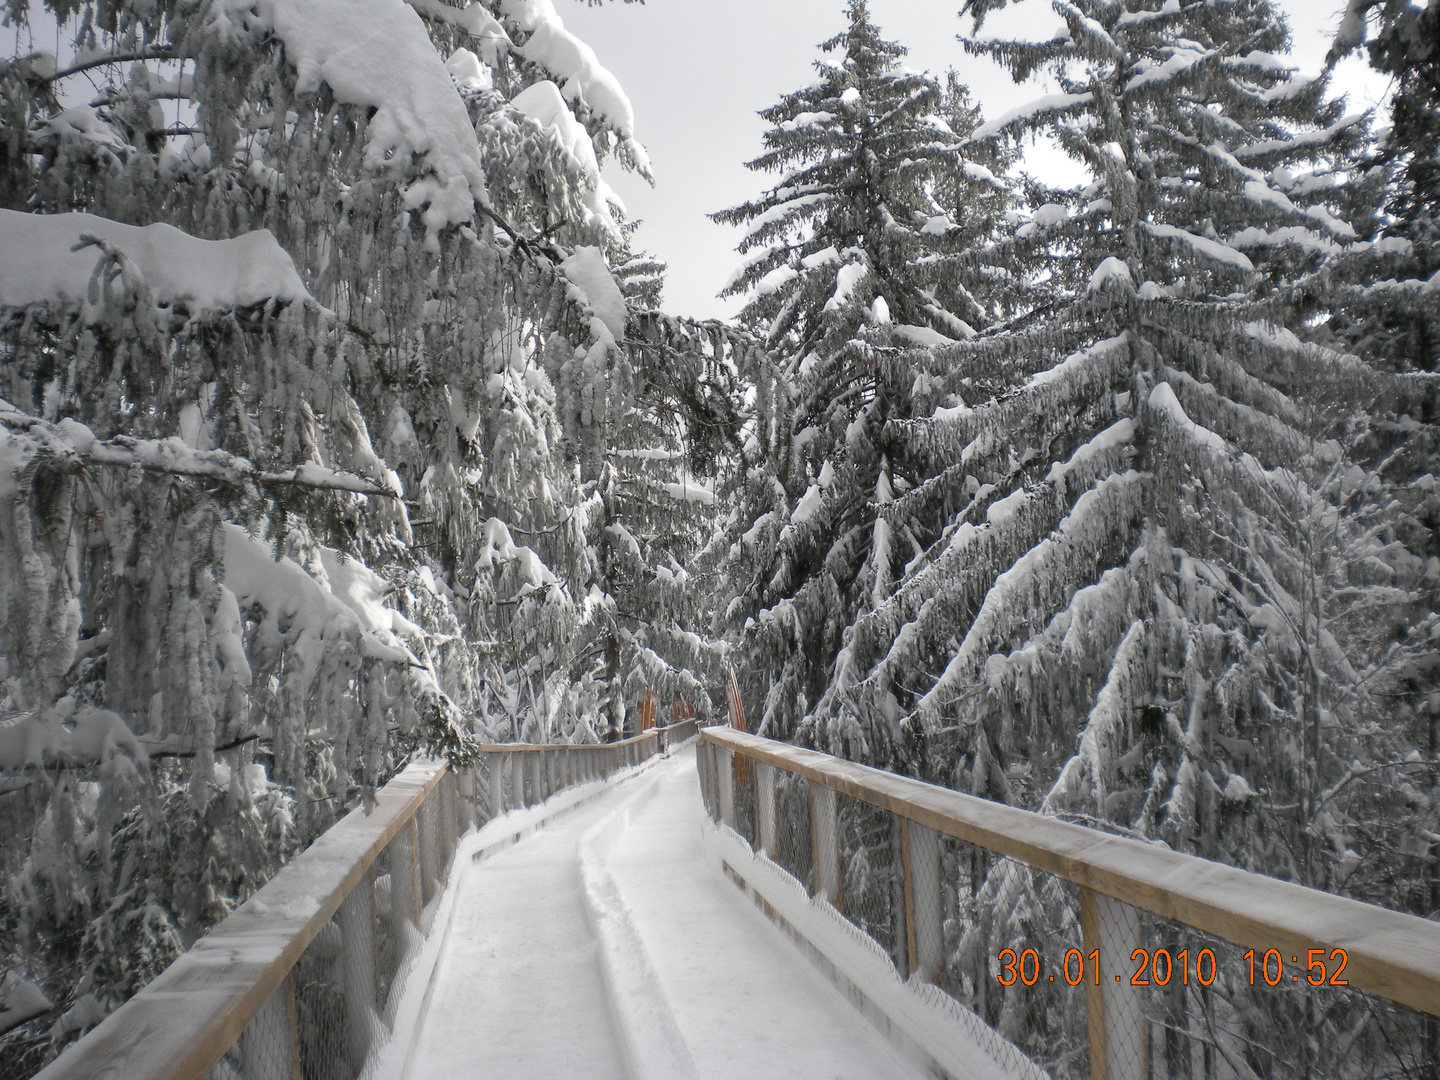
606	946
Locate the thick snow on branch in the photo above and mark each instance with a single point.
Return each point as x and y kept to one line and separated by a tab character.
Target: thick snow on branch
181	270
1091	515
1303	141
543	103
1093	765
580	72
1139	18
1163	400
1045	106
586	270
294	608
378	53
500	548
73	446
1202	245
1179	62
91	736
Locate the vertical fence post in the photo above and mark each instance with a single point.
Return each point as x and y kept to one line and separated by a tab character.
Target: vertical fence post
726	784
270	1043
765	808
924	909
1117	1031
357	948
825	842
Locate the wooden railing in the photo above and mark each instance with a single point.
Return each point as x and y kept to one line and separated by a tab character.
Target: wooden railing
305	977
1129	898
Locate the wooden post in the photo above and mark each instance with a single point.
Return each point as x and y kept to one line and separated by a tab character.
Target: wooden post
357	949
825	842
1117	1028
765	809
726	784
270	1043
924	907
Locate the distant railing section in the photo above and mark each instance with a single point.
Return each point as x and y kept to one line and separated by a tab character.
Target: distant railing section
303	981
1097	955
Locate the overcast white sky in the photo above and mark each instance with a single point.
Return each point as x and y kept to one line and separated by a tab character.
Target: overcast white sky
699	70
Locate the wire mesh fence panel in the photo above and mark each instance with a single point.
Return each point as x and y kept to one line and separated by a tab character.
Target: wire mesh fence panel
427	829
515	772
452	825
1201	1007
1013	954
322	1019
871	885
746	815
705	766
792	826
399	898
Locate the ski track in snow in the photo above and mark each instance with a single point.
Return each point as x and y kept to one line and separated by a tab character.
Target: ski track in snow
703	984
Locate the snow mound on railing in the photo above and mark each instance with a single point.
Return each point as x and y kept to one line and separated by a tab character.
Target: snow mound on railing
181	270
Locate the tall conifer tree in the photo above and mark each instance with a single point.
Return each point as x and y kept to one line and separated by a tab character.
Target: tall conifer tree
1159	604
847	266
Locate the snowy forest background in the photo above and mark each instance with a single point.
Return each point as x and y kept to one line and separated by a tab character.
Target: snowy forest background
341	421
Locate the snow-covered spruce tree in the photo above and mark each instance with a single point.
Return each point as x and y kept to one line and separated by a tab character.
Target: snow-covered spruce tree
674	436
401	390
1165	502
1385	313
847	258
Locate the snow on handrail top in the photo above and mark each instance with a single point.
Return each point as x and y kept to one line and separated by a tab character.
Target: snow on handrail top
179	1025
1390	953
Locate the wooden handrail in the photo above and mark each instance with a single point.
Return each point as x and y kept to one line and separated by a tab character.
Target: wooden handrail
1391	954
184	1021
180	1024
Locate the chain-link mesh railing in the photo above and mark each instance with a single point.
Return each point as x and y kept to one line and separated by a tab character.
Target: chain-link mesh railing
303	982
1076	947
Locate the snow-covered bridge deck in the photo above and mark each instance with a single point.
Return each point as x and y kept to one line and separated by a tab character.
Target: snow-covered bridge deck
610	946
732	906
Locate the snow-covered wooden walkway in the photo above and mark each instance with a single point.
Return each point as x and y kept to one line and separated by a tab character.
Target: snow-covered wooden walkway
608	945
730	907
